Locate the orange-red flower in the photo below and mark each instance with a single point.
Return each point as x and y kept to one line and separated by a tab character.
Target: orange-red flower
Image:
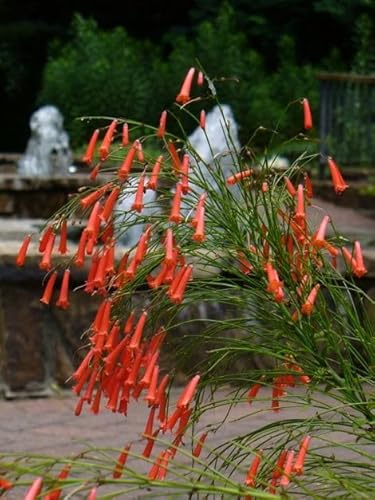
288	468
104	148
198	447
359	268
308	306
152	183
202	119
63	300
121	461
5	484
300	459
184	94
138	202
162	124
89	154
307	116
253	470
21	257
188	393
124	170
175	215
338	182
34	489
185	174
125	134
233	179
47	294
109	204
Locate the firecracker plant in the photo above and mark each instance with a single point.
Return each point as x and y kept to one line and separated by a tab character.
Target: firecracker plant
239	237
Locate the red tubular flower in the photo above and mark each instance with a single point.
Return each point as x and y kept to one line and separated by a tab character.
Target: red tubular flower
5	484
233	179
126	165
94	172
178	293
153	182
46	263
245	266
277	471
185	174
138	202
199	235
162	123
319	238
359	268
142	245
288	468
91	198
140	154
339	184
150	444
308	306
137	335
289	186
125	134
200	78
307	117
253	470
308	186
184	94
121	461
34	490
21	257
300	459
300	214
89	154
188	393
253	391
175	215
169	257
202	119
274	282
201	202
265	187
93	223
174	157
109	204
146	379
151	393
163	466
63	238
92	495
45	238
47	294
150	423
79	258
63	301
161	389
95	407
113	337
104	148
198	447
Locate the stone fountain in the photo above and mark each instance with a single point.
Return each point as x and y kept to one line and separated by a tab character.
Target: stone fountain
47	153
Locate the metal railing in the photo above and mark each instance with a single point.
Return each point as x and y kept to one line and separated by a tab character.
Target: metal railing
347	119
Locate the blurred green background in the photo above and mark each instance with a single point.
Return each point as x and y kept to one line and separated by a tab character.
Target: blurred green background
101	58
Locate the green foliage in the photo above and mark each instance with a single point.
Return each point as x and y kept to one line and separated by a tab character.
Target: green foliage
109	73
98	73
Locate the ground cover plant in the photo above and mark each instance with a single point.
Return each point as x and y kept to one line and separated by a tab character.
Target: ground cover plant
240	237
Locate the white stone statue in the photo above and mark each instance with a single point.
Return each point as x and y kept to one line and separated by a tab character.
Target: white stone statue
47	152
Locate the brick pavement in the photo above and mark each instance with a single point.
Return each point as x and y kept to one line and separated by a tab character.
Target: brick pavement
49	427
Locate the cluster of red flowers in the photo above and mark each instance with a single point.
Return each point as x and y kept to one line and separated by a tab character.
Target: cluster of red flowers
122	362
